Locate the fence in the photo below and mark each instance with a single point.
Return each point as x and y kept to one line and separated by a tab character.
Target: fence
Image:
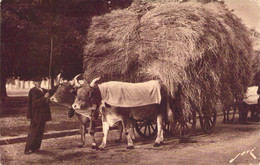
21	84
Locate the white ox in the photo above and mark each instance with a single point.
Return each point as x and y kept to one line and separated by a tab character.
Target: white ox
142	101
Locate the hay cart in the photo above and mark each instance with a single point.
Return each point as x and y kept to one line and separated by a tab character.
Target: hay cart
168	41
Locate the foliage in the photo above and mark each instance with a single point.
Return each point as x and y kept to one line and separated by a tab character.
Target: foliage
29	25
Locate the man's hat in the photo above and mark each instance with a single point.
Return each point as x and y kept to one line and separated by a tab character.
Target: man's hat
37	78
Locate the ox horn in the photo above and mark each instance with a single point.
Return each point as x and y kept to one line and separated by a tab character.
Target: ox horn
93	82
75	81
59	77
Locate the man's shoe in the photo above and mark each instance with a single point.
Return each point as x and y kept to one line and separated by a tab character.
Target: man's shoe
28	152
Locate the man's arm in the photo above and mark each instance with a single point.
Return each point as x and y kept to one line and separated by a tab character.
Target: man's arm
42	100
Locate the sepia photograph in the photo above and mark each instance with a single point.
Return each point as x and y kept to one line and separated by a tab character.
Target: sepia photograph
130	82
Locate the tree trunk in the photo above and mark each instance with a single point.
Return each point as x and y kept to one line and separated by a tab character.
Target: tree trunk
3	93
3	75
52	81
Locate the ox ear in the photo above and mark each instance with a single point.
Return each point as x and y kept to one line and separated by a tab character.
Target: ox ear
93	82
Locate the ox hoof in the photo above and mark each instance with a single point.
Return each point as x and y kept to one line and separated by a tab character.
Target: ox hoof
184	140
101	148
130	147
117	141
94	147
80	145
156	144
161	143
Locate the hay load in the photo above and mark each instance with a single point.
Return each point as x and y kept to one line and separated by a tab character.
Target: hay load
201	52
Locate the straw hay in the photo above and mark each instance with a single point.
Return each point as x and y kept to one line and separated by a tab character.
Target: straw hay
201	52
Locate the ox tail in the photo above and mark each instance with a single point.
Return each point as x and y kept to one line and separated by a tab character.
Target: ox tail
169	112
167	105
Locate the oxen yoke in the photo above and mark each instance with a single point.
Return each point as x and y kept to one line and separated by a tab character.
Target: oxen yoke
83	112
123	94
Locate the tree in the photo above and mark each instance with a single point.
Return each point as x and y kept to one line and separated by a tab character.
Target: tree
27	27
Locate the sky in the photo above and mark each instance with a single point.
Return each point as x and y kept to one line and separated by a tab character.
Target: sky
247	10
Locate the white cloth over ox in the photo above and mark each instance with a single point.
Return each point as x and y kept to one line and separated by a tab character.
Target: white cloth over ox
251	95
123	94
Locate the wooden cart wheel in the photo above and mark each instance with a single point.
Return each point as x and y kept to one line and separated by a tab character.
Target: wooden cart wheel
208	120
146	128
184	126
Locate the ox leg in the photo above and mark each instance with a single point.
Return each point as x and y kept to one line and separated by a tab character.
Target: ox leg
132	131
120	131
159	138
105	132
127	129
82	135
94	144
92	132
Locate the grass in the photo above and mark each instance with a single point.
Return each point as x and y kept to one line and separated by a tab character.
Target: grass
15	124
17	92
14	121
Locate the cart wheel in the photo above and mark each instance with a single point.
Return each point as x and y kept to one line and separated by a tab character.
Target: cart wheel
183	127
208	121
146	128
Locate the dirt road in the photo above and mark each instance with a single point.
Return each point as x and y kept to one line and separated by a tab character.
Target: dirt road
229	144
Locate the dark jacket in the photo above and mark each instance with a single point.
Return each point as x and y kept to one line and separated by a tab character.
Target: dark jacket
38	106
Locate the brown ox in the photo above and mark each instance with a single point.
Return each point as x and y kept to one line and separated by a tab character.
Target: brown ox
89	97
65	95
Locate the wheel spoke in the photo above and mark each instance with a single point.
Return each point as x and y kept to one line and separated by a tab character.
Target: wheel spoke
211	120
153	128
145	130
140	127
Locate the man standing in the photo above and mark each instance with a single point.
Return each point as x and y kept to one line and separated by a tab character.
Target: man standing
39	113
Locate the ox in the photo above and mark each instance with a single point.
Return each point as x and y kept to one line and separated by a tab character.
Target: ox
89	97
65	96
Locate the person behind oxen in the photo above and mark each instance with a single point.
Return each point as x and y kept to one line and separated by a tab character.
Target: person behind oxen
38	113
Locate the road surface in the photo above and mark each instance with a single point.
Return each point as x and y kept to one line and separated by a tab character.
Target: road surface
229	144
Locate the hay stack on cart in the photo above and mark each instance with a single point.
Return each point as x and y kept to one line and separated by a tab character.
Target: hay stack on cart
201	52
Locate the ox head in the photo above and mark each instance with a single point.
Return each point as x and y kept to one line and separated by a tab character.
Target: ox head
88	96
66	92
